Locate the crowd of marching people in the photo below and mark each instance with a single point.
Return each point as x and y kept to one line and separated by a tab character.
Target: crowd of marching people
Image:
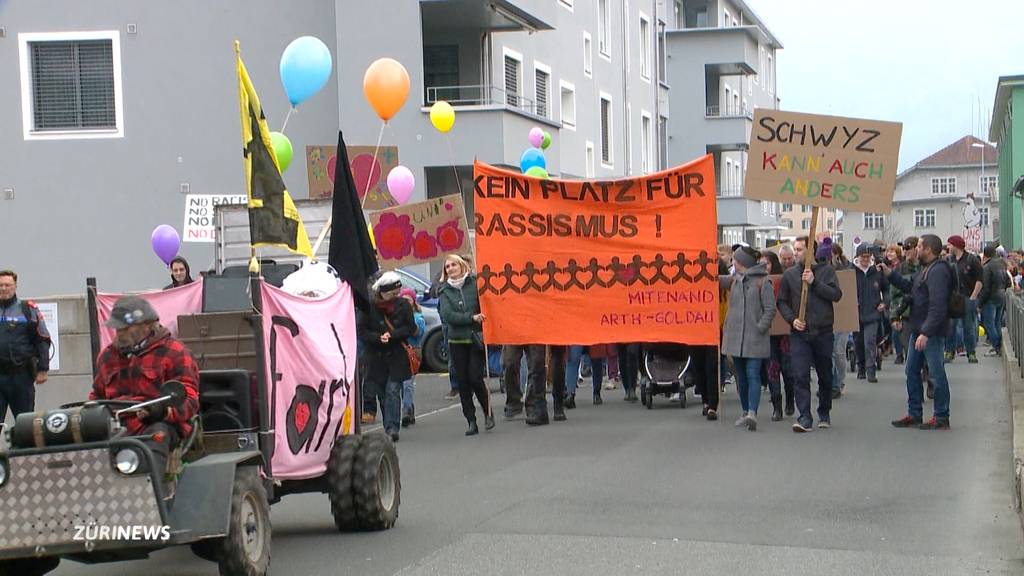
919	301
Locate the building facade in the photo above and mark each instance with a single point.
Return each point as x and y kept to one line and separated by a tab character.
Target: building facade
944	194
1008	134
795	220
122	108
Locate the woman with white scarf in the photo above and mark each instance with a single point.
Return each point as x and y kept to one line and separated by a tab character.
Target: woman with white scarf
460	308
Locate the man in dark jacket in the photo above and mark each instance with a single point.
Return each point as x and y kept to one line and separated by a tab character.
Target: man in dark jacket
968	269
811	339
870	285
930	289
992	298
24	349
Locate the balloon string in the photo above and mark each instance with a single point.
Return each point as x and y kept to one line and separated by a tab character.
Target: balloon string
451	153
369	175
286	117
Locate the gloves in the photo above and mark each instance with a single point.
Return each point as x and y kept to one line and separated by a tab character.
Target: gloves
154	414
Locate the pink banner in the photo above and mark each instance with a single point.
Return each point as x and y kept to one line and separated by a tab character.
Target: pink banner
310	352
169	304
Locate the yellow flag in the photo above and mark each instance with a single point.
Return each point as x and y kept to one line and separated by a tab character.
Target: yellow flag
273	218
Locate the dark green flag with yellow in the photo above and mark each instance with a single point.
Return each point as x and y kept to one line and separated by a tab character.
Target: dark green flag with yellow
273	218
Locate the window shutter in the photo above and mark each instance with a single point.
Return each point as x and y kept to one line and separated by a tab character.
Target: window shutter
511	81
606	141
542	93
73	85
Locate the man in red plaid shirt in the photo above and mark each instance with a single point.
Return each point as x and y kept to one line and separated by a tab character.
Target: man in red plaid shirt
134	366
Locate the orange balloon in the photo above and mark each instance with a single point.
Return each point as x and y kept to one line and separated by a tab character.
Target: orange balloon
386	86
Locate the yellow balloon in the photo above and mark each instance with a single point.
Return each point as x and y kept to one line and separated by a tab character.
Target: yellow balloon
442	116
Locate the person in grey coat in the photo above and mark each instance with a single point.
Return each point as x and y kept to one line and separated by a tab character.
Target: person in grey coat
745	337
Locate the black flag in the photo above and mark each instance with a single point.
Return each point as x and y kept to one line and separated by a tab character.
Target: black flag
351	252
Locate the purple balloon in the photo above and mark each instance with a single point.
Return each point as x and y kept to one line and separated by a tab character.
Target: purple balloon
165	242
536	137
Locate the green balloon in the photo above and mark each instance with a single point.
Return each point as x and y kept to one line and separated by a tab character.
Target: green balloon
546	142
282	149
538	172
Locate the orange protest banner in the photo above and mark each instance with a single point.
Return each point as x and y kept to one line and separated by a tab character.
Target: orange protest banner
598	261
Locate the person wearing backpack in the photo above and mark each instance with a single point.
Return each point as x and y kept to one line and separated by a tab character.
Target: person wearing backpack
746	335
932	292
992	298
24	349
969	273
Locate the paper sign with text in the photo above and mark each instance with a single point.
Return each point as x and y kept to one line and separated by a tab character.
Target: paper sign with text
199	215
598	261
827	161
421	232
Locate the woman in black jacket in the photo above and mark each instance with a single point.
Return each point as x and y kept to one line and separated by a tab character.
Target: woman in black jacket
460	310
383	331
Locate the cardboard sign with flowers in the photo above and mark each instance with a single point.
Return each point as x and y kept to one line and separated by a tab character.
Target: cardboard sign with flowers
420	232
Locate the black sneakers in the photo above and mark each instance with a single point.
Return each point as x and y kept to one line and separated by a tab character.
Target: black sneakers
907	421
935	424
537	418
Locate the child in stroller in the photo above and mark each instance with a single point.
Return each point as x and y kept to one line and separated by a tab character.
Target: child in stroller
665	370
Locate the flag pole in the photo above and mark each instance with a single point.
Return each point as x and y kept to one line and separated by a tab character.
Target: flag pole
330	219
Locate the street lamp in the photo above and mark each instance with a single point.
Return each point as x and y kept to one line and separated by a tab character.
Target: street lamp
984	192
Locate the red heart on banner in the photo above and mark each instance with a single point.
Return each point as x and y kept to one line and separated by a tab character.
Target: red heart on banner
332	167
366	172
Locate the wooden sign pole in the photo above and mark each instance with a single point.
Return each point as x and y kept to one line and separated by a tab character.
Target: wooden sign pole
808	263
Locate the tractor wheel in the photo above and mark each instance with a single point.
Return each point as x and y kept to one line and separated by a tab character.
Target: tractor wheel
28	566
245	551
340	468
377	483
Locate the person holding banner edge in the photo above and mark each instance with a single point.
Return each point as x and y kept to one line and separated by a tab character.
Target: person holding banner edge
460	309
811	340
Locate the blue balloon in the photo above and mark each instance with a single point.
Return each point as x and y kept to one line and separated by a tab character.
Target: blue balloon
532	157
305	67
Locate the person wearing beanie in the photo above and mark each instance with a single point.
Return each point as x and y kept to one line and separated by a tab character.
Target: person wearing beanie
968	282
416	341
870	285
992	298
384	330
747	323
811	340
824	250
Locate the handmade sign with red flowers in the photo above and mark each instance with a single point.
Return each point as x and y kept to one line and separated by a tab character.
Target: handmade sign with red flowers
420	232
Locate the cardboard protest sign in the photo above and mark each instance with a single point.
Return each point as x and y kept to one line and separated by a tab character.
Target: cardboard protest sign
846	316
827	161
598	261
420	232
320	166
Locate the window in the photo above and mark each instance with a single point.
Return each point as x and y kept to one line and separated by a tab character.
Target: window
873	221
513	74
590	159
764	208
761	61
728	99
606	129
441	72
989	186
647	143
71	85
680	14
770	76
944	186
805	224
725	18
787	207
831	223
541	81
805	208
983	212
645	47
924	218
568	92
702	18
771	209
588	55
662	54
787	222
727	180
662	142
604	25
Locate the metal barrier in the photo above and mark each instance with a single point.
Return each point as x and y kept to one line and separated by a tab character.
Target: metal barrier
1015	326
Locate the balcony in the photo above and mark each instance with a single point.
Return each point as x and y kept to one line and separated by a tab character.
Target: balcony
722	51
493	15
483	95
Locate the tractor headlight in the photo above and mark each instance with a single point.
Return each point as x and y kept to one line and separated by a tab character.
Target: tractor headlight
5	471
127	461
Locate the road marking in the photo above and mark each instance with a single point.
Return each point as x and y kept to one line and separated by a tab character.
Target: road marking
375	427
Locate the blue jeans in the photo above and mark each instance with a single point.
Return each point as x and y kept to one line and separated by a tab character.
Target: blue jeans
968	326
812	350
897	342
932	356
748	382
391	405
992	316
408	395
597	373
572	369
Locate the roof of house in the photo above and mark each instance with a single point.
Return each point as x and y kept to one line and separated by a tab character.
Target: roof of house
963	152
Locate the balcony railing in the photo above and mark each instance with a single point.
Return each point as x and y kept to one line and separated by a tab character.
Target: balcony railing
484	95
730	191
729	111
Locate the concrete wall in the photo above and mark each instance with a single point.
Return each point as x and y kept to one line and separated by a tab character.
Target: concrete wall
88	207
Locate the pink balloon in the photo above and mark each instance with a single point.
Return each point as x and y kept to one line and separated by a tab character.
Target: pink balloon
400	184
536	137
365	168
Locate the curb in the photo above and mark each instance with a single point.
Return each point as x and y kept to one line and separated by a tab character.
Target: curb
1015	395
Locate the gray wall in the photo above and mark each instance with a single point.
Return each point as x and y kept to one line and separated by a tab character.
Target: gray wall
87	207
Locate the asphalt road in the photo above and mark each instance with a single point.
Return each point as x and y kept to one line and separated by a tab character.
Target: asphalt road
619	489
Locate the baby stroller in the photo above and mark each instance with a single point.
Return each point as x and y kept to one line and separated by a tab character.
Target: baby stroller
663	370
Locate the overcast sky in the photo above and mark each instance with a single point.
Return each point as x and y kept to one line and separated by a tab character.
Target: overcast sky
920	62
